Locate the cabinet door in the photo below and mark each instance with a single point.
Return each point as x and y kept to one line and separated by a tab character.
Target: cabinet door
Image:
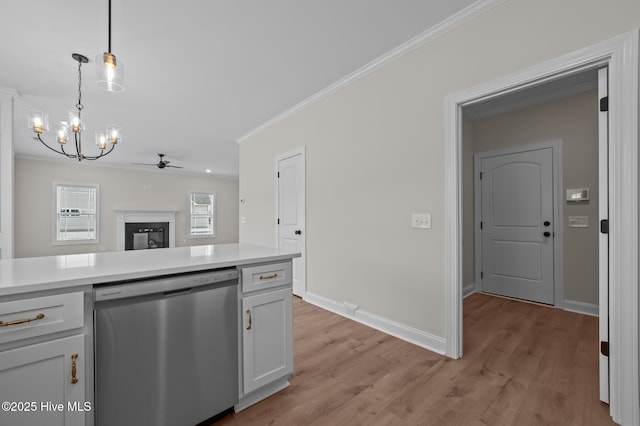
267	341
38	380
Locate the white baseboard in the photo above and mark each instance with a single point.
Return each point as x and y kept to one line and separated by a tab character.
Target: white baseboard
401	331
468	290
581	308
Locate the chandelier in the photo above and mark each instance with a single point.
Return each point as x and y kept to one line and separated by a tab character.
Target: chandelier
39	122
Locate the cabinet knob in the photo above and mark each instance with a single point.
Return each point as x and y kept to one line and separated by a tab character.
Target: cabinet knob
298	232
547	234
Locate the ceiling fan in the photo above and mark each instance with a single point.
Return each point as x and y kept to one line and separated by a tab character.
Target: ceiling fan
161	164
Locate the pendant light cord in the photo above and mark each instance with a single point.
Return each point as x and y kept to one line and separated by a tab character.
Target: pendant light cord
109	26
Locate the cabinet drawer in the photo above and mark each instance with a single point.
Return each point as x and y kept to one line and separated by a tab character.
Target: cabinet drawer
25	318
265	276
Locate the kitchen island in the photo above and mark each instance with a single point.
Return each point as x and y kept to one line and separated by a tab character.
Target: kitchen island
47	323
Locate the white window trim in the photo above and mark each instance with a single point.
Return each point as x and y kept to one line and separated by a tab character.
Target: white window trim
54	214
214	212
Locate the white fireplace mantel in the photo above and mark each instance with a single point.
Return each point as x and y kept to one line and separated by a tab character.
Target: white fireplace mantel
141	216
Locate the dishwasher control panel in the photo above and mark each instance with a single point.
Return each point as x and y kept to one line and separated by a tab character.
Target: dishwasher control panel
168	284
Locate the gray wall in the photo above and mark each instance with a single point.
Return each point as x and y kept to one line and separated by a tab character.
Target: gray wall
574	121
119	189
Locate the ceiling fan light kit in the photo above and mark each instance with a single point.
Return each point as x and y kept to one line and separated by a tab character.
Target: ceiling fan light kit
109	76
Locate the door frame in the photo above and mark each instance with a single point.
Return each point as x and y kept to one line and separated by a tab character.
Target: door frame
303	258
620	54
558	241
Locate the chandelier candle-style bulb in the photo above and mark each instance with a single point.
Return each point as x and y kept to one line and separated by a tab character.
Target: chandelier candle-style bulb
38	121
62	133
114	134
75	124
101	139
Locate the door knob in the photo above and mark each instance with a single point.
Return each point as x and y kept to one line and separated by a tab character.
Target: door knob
547	223
298	232
547	234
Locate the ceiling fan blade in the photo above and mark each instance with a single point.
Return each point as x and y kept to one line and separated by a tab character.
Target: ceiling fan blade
145	164
177	167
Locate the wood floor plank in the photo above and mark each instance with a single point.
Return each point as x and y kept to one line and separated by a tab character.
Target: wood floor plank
523	364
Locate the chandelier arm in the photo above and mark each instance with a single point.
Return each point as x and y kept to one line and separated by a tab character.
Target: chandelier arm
65	152
102	154
53	149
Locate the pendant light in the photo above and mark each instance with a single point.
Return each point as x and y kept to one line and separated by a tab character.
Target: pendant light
109	72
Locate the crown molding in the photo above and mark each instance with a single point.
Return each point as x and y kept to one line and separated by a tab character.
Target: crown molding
437	30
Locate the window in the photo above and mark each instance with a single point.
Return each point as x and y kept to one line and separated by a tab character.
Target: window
76	214
202	213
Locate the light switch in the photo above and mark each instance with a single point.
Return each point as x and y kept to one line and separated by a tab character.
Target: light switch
578	221
421	220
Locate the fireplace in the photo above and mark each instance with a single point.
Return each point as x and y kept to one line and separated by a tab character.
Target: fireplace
146	235
146	229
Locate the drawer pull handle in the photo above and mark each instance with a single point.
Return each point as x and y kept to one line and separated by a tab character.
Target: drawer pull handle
74	379
22	321
250	320
268	277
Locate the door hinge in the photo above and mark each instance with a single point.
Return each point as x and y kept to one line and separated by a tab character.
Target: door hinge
481	275
278	175
604	226
480	175
278	221
604	104
604	348
481	224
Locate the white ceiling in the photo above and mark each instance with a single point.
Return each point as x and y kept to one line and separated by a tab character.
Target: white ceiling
199	74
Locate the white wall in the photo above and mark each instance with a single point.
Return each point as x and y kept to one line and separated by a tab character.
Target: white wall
375	155
119	189
7	97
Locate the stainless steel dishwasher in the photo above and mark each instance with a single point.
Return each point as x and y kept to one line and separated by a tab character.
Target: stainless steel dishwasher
166	349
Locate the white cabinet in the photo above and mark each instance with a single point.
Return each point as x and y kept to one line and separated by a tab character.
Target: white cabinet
43	375
44	384
266	338
266	344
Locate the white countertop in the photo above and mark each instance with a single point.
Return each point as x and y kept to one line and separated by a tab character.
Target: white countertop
55	272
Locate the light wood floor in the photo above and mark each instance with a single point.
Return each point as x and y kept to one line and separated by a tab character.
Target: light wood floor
523	364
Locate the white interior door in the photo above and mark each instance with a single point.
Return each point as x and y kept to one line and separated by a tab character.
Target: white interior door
517	228
291	213
603	190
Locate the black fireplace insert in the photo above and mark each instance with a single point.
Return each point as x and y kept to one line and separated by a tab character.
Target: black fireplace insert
149	235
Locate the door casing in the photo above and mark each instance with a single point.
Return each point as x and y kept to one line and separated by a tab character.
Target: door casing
303	217
558	258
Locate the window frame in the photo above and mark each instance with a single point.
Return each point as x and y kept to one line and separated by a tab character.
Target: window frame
55	214
213	215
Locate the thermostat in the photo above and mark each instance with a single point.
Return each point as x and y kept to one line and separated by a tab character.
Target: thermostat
581	194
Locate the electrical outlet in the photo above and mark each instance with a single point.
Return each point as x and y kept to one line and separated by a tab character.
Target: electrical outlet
421	220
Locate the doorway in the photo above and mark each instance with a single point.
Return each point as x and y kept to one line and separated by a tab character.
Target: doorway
620	55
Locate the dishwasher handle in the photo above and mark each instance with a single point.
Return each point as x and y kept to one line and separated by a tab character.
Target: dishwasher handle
178	291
